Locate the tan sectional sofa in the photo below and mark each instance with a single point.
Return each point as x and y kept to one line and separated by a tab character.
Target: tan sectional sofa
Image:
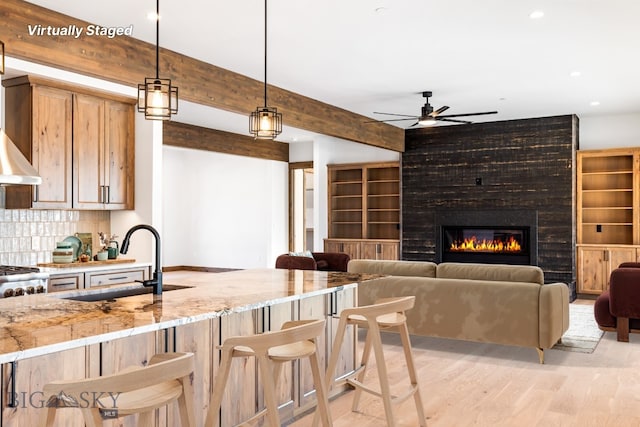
502	304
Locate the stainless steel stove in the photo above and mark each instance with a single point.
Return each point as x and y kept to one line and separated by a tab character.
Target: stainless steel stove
17	281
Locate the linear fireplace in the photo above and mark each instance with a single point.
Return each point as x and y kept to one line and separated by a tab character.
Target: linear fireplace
486	244
487	236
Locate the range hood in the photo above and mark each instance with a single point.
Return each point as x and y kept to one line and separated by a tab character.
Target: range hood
14	167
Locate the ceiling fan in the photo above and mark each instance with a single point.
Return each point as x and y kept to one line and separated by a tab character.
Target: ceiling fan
429	116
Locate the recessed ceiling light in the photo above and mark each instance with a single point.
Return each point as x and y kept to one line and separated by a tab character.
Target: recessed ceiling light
594	103
575	74
536	14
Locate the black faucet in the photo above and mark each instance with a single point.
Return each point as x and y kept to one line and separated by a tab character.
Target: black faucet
156	281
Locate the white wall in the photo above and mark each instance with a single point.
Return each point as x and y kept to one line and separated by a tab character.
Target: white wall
222	210
599	132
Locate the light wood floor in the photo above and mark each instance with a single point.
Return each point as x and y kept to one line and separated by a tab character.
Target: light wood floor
472	384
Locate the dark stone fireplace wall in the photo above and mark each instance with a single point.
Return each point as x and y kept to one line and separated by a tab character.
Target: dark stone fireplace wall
496	166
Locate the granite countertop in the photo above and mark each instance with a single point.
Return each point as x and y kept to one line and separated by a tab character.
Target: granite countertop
39	324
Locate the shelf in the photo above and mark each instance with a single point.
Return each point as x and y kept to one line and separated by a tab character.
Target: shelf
365	195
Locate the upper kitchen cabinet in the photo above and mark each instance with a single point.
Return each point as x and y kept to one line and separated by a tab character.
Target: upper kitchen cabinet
102	153
81	141
39	121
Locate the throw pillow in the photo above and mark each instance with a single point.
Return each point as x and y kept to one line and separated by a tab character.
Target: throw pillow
301	253
322	265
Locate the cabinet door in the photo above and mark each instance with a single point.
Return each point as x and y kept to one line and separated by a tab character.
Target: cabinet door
340	300
120	354
239	400
351	248
52	139
312	308
119	155
24	406
88	152
617	256
592	269
379	250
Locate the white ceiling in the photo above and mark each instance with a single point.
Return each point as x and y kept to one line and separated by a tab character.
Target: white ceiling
379	55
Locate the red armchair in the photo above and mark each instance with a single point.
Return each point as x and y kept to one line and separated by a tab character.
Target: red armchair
618	308
327	261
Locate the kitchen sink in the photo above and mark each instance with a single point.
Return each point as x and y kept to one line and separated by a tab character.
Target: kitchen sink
106	295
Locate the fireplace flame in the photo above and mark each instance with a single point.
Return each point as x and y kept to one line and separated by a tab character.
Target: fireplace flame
472	244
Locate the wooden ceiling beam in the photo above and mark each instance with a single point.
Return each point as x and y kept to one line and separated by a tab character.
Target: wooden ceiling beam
128	61
199	138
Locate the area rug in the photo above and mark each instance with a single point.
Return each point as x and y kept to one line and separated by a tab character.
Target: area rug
583	334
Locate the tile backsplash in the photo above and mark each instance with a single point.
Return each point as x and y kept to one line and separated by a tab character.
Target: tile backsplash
27	236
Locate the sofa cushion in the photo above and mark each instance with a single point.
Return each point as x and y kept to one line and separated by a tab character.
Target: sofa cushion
492	272
393	268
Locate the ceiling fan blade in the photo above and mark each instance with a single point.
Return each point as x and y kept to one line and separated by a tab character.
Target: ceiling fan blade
439	111
393	114
453	120
471	114
392	120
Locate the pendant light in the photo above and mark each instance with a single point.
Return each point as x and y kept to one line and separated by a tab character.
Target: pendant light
1	57
265	122
157	99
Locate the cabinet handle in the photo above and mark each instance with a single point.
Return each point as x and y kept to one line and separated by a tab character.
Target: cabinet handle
63	284
341	247
378	248
108	188
606	255
118	278
13	399
36	193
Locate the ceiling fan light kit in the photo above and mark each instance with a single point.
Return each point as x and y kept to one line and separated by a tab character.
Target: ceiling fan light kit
157	98
429	117
265	122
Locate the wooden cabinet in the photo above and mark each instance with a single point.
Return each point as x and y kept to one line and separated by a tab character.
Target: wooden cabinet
69	281
103	153
38	120
365	248
595	264
608	226
364	201
81	142
22	383
364	210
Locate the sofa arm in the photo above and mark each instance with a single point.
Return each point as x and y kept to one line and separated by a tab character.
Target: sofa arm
554	313
624	292
289	262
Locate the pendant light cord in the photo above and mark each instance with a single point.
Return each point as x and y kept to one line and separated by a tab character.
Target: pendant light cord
158	39
265	53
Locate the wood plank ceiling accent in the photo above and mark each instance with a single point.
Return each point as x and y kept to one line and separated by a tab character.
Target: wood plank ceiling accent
128	61
200	138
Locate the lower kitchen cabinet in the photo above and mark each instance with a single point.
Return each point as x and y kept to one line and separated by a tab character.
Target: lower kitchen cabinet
22	383
595	264
69	281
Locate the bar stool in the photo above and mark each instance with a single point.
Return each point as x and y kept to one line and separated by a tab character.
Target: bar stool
134	390
387	313
296	340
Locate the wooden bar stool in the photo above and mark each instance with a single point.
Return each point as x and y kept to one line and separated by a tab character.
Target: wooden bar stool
135	390
385	314
296	340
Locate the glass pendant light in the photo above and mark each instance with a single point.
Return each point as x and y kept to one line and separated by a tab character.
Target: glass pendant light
265	122
157	98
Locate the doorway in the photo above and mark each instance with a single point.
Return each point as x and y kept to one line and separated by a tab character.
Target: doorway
301	206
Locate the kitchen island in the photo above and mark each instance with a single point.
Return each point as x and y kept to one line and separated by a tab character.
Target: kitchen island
47	337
